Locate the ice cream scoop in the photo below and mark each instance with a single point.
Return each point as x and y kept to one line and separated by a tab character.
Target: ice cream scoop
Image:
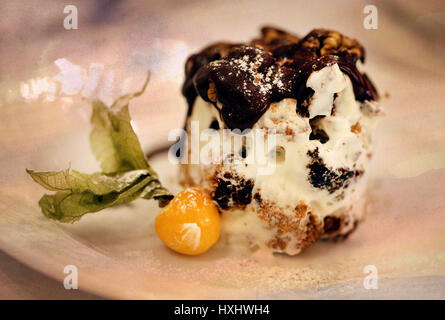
321	111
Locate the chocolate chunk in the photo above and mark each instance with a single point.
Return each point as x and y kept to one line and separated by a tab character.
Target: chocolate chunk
257	197
338	234
331	224
318	133
323	177
233	192
214	125
246	78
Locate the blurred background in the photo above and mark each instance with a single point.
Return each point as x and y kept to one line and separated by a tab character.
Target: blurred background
48	74
43	65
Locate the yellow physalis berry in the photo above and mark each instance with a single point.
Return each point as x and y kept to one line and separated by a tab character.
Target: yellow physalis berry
190	223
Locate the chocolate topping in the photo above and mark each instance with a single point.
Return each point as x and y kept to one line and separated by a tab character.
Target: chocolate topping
242	80
195	62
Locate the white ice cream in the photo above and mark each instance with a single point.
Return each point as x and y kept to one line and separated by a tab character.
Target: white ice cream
285	202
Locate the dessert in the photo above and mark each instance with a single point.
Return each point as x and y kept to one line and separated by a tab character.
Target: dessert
308	93
283	128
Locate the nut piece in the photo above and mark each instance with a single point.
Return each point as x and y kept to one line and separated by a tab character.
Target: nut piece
211	92
356	128
333	43
271	35
273	38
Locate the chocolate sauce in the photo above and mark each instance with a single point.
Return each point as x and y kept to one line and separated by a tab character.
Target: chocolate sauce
195	62
243	80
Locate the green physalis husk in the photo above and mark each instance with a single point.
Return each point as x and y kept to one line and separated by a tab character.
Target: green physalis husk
126	174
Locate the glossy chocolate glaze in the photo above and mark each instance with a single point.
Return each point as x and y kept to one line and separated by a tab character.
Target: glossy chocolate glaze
243	80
